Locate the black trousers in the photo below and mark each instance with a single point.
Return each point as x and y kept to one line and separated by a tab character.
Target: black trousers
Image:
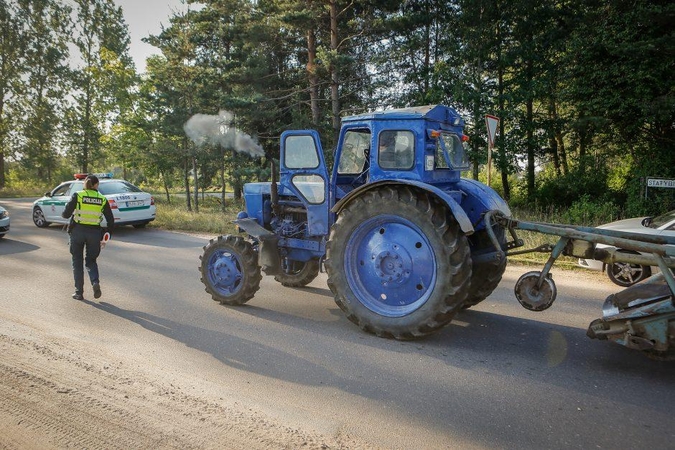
85	246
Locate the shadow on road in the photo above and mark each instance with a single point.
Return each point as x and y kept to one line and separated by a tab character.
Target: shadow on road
525	354
9	246
232	350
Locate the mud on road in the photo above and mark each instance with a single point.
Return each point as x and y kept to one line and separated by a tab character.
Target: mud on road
56	393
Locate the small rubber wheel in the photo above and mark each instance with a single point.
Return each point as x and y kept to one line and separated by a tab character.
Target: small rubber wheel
533	298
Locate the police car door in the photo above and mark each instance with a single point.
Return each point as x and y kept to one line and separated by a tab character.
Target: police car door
54	206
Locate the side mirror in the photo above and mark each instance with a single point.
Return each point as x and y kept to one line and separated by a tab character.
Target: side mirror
48	194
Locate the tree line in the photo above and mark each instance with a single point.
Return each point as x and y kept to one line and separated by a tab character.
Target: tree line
584	88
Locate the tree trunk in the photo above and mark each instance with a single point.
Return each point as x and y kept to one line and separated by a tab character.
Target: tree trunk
427	50
166	187
2	168
334	85
186	175
530	149
313	78
562	152
222	177
501	140
582	148
552	142
195	173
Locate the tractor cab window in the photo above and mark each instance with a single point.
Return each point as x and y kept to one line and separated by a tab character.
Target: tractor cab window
451	145
312	187
355	152
301	153
396	150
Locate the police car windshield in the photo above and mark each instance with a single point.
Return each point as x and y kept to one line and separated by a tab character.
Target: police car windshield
116	187
658	222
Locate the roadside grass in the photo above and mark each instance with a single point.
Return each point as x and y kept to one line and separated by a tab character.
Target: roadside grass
24	191
532	239
211	219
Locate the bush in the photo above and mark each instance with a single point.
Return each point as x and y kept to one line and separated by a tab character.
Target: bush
587	212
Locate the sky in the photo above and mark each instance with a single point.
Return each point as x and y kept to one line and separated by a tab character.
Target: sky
146	17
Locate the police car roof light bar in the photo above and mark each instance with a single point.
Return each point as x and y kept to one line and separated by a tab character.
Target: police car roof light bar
82	176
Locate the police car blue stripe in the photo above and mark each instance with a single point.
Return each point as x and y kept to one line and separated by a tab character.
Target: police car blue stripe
136	208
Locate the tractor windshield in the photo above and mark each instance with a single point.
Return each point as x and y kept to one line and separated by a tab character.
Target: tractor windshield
450	152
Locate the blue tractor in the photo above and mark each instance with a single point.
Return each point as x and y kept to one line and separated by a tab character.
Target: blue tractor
400	233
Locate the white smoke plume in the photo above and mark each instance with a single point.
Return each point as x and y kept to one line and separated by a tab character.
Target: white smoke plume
218	130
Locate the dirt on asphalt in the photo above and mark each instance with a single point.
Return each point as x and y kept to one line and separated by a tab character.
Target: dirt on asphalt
56	393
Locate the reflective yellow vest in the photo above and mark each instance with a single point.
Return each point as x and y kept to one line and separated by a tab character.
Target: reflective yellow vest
89	209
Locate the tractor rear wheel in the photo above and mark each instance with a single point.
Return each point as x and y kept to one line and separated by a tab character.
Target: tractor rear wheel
485	276
398	264
297	273
230	270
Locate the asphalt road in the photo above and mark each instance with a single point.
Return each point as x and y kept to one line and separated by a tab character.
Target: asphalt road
498	377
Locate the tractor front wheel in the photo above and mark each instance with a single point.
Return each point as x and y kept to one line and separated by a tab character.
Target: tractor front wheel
398	264
230	271
297	273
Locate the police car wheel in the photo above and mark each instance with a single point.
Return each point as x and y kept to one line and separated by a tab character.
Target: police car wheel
39	218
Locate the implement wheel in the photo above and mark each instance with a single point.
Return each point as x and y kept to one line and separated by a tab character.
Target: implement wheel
398	264
230	270
297	273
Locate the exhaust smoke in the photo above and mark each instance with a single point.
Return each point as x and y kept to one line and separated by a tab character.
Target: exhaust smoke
218	130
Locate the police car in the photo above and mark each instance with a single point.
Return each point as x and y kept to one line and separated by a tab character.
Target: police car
130	205
4	221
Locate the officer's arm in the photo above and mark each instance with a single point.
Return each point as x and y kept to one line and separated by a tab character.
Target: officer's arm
70	207
109	218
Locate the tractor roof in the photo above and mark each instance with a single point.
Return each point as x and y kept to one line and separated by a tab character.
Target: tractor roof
437	113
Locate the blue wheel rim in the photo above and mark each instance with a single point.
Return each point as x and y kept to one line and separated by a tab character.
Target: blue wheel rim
225	272
390	265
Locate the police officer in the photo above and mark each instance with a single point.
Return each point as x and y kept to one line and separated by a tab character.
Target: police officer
86	210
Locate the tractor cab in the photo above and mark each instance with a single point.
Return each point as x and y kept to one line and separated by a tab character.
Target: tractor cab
422	144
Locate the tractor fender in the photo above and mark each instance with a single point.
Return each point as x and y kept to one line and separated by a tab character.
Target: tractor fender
478	198
455	208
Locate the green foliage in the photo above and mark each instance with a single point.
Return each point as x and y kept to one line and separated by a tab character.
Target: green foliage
589	212
566	189
583	89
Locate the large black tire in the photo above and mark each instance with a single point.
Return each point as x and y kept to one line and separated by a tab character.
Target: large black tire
298	273
485	276
398	264
230	271
39	218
